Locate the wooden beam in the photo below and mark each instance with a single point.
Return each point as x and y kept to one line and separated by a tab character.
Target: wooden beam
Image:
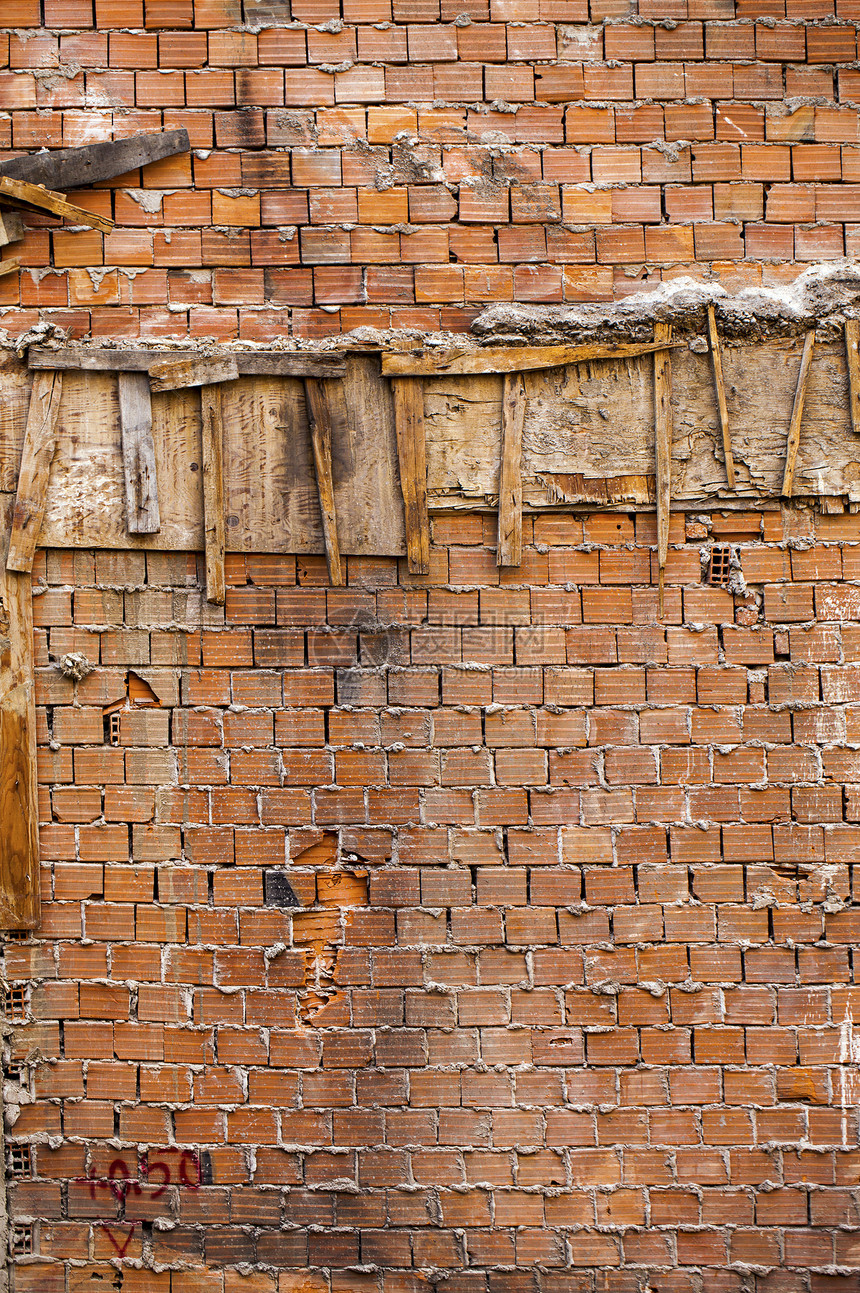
793	439
193	370
213	492
852	337
510	544
75	168
663	449
507	359
138	454
40	441
412	458
720	387
319	423
33	195
19	802
250	363
9	266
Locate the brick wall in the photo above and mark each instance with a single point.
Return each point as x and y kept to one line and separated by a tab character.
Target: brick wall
465	932
405	162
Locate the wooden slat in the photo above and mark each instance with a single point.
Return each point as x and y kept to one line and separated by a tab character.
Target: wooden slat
507	359
11	227
412	458
33	195
257	363
138	454
213	491
19	804
319	424
9	266
720	387
510	544
793	439
193	370
40	441
663	448
852	338
74	168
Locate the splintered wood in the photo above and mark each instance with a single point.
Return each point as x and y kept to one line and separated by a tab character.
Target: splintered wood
852	337
412	456
175	375
40	441
663	449
19	816
793	440
319	424
20	192
138	454
508	359
720	388
213	492
510	545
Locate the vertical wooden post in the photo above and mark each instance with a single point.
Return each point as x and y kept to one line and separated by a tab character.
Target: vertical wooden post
663	448
793	440
319	422
213	492
717	360
40	441
19	801
510	543
412	456
138	454
852	337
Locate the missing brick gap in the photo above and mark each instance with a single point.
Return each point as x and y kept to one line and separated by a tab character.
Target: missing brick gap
138	695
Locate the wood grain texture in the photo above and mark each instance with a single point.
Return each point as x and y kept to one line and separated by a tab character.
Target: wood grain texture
319	424
663	448
506	359
71	168
251	363
510	543
138	454
213	492
192	370
411	453
33	195
11	227
19	815
720	390
40	440
852	359
9	266
792	443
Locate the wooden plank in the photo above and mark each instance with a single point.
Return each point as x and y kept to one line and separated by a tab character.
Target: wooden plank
9	266
193	370
663	448
411	454
507	359
319	424
74	168
11	227
33	195
720	388
19	803
40	441
852	358
510	544
256	363
138	454
213	492
793	439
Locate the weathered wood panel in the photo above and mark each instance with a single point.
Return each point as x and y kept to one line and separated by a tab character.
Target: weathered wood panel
138	454
40	440
19	804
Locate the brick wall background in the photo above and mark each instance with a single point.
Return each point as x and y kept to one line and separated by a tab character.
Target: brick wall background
404	162
465	932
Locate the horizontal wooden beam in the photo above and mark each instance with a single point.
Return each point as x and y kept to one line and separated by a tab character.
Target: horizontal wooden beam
508	359
75	168
251	363
20	193
193	370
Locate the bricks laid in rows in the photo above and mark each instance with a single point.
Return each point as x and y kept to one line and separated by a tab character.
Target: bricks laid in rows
470	931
